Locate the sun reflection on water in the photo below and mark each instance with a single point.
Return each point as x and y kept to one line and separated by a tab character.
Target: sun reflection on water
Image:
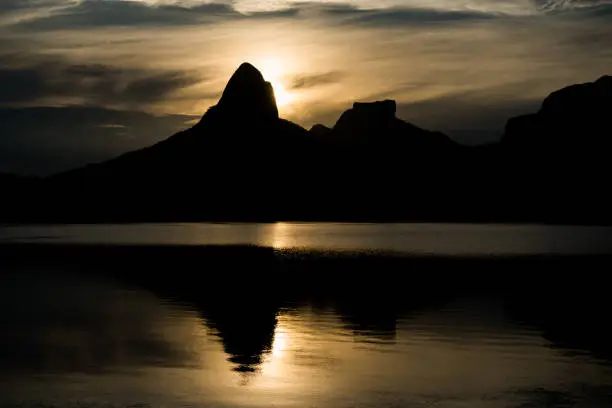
280	343
281	236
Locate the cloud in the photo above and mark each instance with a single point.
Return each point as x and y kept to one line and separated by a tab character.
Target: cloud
460	67
426	14
597	9
314	80
90	14
400	16
27	80
17	5
556	5
46	140
15	11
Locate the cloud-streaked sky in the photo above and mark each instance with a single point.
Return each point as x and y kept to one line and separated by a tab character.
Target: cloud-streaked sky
459	66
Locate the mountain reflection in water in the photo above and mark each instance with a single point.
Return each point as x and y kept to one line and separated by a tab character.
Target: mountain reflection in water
94	326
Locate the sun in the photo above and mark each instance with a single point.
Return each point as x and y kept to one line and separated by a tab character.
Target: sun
283	97
274	71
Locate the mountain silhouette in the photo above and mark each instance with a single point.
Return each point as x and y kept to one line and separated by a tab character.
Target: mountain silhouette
242	162
573	118
556	160
375	124
248	95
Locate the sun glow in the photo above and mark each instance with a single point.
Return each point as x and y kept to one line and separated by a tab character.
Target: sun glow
274	71
283	97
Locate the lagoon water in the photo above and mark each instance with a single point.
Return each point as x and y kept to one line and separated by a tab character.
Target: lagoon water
74	338
432	239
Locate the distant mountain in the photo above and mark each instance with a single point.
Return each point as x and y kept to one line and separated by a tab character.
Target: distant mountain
222	167
575	118
245	118
375	124
557	159
242	162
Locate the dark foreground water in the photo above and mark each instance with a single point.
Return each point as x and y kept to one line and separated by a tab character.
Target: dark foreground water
160	326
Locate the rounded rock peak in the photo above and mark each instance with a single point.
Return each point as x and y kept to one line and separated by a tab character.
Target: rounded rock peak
248	94
579	99
246	69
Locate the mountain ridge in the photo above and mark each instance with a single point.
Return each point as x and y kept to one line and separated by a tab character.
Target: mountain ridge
241	161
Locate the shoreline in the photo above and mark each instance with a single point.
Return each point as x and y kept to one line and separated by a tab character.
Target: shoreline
15	249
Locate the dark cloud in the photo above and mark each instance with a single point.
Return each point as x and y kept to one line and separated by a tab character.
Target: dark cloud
90	14
48	140
556	5
601	9
157	85
591	10
574	44
314	80
100	13
18	5
28	79
401	16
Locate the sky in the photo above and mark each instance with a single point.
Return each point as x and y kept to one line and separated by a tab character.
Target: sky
84	80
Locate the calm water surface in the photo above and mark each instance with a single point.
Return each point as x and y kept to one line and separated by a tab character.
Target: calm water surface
437	239
72	336
84	340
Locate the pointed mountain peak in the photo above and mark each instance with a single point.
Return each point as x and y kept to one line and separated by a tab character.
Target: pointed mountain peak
248	94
